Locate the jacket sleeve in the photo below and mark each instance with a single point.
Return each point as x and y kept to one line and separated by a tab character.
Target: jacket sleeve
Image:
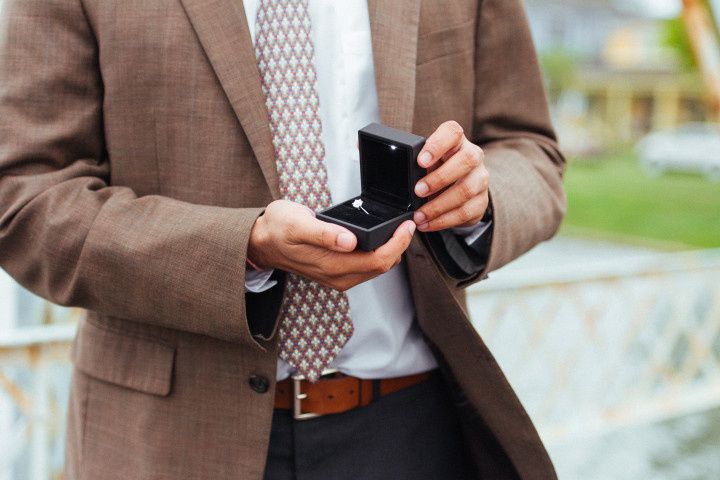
65	232
512	125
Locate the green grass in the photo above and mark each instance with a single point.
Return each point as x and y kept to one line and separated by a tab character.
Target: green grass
611	196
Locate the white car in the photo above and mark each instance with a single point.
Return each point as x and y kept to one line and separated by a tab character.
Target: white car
693	147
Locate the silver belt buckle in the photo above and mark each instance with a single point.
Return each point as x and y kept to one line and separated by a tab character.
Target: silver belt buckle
299	396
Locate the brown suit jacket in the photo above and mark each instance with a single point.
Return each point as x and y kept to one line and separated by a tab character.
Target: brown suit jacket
135	155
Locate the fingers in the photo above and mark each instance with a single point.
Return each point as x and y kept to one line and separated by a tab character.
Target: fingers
311	231
324	252
364	266
448	135
465	160
342	271
382	258
468	213
476	183
399	242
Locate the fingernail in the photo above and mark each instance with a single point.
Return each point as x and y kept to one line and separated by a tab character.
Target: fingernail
423	227
419	217
424	159
344	240
421	189
411	228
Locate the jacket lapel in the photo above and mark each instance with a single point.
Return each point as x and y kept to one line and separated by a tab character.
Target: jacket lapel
394	28
223	31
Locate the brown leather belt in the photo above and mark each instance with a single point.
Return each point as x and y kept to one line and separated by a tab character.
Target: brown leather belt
336	393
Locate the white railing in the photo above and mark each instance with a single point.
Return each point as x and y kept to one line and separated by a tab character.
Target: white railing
599	346
34	373
588	349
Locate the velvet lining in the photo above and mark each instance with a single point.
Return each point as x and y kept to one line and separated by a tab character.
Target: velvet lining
378	213
384	171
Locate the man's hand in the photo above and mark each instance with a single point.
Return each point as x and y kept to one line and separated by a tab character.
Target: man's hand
454	164
289	237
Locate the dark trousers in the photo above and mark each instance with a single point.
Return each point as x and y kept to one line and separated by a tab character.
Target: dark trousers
411	434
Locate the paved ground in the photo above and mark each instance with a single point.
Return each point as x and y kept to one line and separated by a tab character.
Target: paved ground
565	251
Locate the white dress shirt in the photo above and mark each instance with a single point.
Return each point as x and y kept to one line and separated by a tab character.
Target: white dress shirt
386	341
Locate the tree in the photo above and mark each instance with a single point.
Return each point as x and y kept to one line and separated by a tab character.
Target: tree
675	37
559	67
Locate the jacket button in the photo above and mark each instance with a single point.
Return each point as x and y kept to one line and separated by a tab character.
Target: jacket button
259	383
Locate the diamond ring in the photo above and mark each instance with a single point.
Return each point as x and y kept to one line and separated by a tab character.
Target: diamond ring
358	204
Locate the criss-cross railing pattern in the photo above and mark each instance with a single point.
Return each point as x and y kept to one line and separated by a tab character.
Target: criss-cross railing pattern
594	348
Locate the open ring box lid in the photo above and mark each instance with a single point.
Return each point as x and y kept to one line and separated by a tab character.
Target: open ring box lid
388	174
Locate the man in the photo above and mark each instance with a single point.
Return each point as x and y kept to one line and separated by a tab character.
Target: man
159	166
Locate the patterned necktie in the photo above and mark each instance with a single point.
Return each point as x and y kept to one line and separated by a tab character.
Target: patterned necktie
315	321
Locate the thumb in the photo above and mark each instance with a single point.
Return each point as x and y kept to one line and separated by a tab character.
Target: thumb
326	235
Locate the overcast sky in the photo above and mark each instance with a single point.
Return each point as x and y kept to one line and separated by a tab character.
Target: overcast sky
660	8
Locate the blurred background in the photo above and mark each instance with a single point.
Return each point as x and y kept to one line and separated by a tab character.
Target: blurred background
610	333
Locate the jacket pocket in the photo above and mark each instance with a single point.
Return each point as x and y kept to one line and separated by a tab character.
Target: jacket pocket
124	359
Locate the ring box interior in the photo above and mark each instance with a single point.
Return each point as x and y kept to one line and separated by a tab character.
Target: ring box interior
388	174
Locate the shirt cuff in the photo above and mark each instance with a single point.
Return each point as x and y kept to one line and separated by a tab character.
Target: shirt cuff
258	281
473	232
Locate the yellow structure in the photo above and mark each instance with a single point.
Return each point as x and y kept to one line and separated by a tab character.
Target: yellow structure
625	104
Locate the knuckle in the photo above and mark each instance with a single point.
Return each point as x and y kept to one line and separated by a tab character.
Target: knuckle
388	265
437	179
320	237
382	264
430	210
465	213
477	155
439	224
376	265
484	172
432	147
484	179
325	237
276	205
470	160
454	128
467	190
291	233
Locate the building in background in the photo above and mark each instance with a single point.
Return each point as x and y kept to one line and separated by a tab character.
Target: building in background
611	72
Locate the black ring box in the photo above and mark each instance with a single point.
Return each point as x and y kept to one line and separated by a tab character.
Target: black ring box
388	174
